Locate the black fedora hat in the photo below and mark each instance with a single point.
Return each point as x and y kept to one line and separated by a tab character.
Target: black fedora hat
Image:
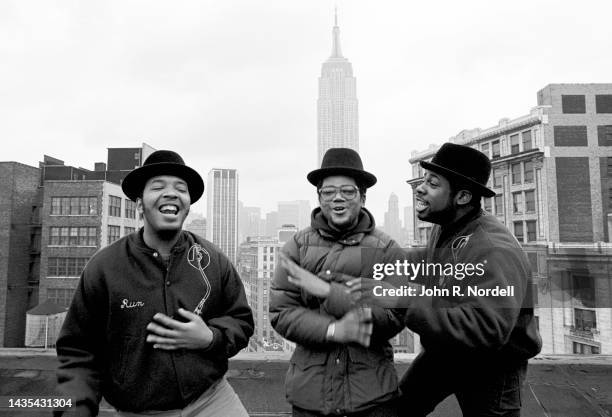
464	164
163	163
342	161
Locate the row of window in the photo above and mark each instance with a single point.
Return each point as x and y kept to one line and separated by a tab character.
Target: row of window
528	226
521	172
65	267
88	206
576	103
114	207
519	142
114	232
60	296
84	235
73	236
74	206
522	202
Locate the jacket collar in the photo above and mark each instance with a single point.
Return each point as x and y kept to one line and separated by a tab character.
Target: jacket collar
365	224
453	229
178	247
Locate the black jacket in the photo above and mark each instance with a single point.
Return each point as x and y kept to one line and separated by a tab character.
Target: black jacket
485	327
102	346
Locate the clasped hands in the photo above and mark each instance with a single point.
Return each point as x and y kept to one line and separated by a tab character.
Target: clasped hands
167	333
356	325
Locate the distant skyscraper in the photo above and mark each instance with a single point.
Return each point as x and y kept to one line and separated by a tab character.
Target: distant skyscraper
295	212
408	238
250	222
271	223
337	107
222	210
393	225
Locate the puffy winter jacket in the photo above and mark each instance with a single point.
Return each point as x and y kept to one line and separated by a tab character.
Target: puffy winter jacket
323	376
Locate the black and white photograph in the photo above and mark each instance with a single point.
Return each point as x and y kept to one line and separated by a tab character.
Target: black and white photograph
305	208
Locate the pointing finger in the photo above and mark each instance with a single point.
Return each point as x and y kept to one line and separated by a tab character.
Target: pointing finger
188	314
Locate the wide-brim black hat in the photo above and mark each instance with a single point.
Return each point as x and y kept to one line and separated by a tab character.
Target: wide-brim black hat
342	161
162	163
462	163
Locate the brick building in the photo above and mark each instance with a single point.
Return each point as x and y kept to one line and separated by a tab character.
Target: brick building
55	217
78	218
552	173
19	253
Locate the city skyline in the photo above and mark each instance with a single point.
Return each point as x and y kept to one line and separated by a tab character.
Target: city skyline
206	81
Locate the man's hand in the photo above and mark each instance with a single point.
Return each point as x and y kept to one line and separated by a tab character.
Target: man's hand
170	334
304	279
356	326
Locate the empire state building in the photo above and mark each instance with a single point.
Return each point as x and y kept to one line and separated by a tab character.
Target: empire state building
337	107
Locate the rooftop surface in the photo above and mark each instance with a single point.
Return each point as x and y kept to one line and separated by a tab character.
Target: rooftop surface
557	386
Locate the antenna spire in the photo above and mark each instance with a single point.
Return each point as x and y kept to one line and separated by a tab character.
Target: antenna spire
336	51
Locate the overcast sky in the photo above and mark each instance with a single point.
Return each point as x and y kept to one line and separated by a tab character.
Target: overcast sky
233	84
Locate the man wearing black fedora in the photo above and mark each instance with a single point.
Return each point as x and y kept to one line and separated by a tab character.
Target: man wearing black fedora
343	362
475	343
156	314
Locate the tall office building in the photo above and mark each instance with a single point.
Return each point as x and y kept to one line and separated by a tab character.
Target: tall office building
337	107
250	222
271	223
408	230
222	210
552	174
393	226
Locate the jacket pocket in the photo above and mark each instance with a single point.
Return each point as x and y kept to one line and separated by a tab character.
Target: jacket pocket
119	360
372	376
305	378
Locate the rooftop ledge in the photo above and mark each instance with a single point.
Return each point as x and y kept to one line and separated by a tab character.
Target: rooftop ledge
557	385
284	356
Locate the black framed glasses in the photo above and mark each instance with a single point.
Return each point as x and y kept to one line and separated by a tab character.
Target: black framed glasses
328	193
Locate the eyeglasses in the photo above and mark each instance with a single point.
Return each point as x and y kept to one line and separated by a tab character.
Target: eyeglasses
329	192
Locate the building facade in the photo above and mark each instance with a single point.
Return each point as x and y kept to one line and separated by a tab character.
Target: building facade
256	263
78	218
19	249
337	106
552	174
222	210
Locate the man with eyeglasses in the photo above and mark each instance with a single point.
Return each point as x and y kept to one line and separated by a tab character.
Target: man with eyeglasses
343	362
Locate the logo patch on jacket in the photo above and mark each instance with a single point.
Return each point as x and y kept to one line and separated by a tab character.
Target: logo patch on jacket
125	303
199	258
